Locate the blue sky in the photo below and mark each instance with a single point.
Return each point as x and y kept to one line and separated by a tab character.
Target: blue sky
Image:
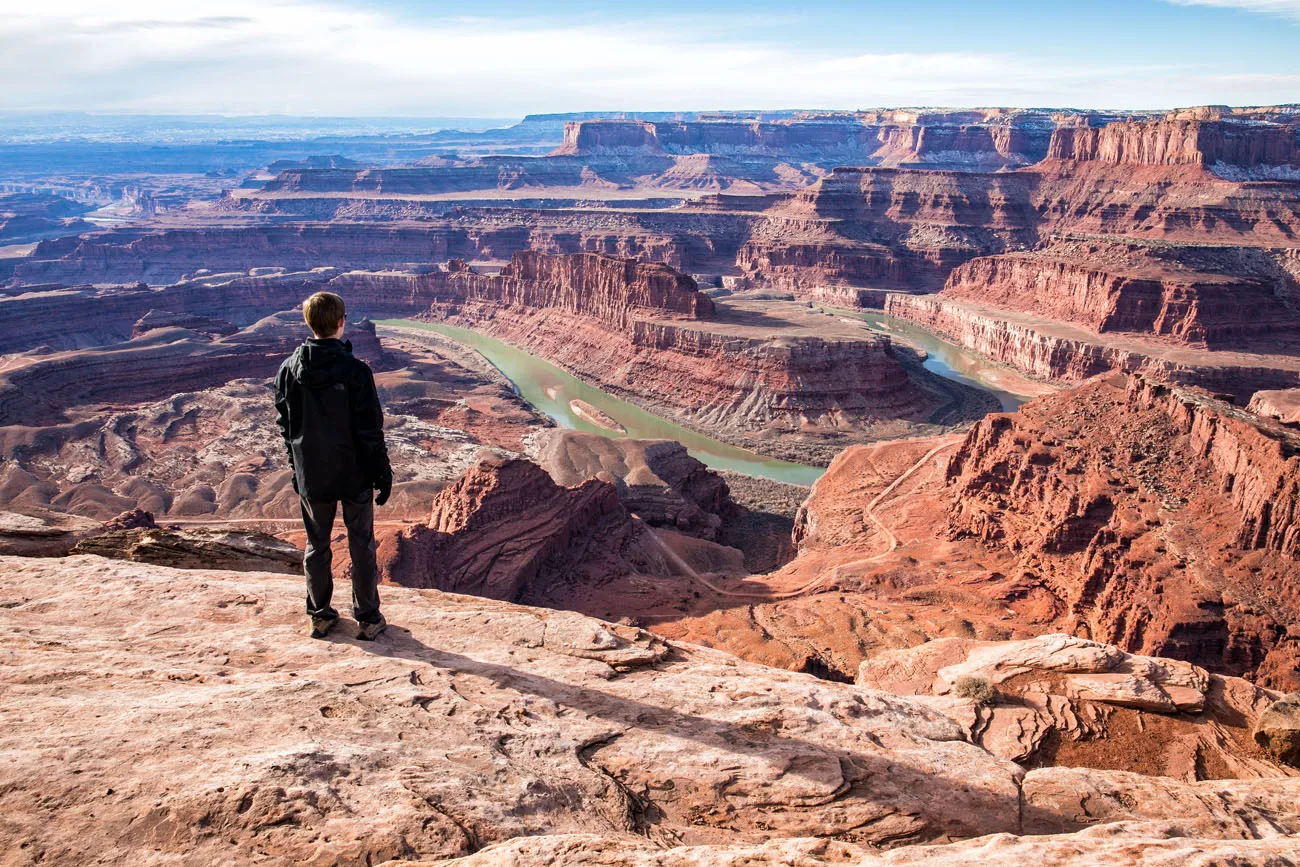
504	59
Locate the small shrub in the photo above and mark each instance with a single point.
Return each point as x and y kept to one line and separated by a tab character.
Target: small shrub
977	689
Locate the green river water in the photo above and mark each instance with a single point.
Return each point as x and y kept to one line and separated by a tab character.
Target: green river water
549	389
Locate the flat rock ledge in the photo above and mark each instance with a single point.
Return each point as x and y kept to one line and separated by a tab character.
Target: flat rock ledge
150	715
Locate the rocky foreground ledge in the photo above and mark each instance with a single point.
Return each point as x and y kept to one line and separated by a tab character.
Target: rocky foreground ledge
158	716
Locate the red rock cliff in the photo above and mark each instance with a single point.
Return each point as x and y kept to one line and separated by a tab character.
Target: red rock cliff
1200	296
609	289
505	525
1158	517
592	285
1177	142
608	135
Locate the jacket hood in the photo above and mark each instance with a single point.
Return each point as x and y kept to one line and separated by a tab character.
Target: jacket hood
321	362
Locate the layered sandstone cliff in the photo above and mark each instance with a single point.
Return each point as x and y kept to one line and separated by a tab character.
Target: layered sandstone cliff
1281	404
169	255
967	141
611	290
729	385
866	226
1176	531
1202	296
603	287
1156	519
645	331
39	387
1072	353
1179	142
506	530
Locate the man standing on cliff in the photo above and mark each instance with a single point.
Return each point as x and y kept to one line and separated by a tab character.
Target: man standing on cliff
328	411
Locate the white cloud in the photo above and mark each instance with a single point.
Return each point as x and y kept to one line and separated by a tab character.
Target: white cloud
1282	8
322	57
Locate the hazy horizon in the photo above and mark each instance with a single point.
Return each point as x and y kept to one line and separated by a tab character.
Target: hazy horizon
403	59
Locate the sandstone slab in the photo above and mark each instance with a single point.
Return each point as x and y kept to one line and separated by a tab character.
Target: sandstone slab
159	715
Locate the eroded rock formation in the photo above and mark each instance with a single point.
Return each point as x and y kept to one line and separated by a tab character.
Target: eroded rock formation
41	533
1173	142
1283	405
1153	518
196	548
1177	532
1057	699
39	387
647	332
1208	297
1072	353
1278	730
655	479
215	452
505	530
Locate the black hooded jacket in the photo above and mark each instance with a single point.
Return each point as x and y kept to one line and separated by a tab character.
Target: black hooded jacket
328	412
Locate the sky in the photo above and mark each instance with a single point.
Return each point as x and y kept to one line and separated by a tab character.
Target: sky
497	58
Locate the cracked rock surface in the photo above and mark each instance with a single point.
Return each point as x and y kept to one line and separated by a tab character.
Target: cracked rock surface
160	716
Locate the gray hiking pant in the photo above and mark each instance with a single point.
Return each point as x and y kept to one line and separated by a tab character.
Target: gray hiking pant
359	518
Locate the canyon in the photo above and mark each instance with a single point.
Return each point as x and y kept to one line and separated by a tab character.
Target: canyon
1173	534
1064	631
1166	228
641	330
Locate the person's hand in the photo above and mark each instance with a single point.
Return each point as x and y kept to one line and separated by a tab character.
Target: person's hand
383	489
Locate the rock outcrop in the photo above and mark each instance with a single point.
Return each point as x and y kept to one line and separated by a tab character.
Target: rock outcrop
41	533
1175	534
1063	700
155	319
1207	297
1159	520
1283	405
1072	353
505	530
1278	730
656	479
1121	843
196	548
1179	142
583	726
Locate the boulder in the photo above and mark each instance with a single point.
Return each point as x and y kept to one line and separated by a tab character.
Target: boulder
1278	729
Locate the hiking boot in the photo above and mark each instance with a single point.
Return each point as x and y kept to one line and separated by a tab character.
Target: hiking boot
371	631
321	626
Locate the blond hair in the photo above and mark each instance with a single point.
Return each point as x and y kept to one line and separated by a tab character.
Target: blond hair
324	312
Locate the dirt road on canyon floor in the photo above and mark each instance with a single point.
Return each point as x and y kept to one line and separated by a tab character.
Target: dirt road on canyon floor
868	514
